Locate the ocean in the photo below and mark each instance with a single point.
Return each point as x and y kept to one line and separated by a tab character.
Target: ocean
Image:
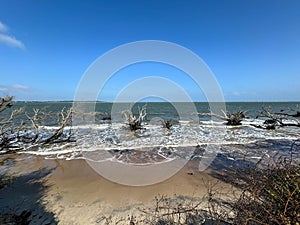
162	110
189	132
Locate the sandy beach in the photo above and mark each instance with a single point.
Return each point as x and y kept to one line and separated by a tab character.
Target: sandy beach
70	192
149	112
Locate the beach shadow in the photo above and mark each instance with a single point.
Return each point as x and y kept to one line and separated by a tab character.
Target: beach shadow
222	162
236	171
282	146
21	199
231	171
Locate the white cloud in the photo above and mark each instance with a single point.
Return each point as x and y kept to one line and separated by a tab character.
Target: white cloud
236	93
15	88
3	28
9	39
20	87
3	89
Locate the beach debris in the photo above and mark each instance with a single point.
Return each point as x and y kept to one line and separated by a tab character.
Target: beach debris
174	210
233	119
274	119
22	130
5	103
135	121
282	112
132	221
167	124
102	116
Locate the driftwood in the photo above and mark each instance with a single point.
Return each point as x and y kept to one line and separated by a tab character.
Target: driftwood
167	124
135	122
29	132
232	119
275	120
5	103
235	118
58	134
297	114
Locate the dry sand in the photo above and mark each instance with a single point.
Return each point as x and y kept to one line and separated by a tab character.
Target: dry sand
75	194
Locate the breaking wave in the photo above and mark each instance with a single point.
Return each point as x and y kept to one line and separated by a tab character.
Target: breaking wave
109	141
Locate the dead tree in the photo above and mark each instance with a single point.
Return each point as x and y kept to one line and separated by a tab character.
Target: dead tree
296	115
167	124
135	122
59	135
233	119
29	132
5	103
274	120
7	131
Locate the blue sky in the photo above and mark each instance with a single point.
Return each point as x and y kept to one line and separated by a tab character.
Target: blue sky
252	47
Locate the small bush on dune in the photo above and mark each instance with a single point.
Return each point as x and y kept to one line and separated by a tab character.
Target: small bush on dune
270	194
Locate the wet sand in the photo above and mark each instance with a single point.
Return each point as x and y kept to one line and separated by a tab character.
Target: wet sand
75	194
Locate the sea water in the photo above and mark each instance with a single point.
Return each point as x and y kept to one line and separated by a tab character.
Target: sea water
192	130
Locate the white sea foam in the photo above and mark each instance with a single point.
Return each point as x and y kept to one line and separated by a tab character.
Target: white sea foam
116	136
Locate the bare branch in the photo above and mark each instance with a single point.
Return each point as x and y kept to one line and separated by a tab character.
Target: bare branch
277	120
5	103
133	122
231	118
57	134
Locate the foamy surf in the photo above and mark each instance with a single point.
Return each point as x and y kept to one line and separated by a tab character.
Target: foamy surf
145	146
